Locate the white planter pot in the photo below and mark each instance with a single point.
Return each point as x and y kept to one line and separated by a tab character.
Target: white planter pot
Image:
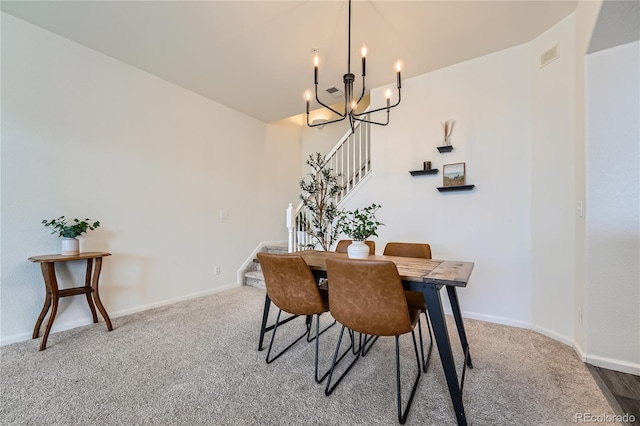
70	246
358	250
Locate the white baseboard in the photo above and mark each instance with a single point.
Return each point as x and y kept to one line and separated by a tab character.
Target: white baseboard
21	337
552	334
614	364
492	318
579	351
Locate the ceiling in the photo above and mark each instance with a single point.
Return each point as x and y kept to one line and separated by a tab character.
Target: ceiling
256	56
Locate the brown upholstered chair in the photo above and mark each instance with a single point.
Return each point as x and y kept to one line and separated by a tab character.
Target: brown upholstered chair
366	296
292	288
415	299
342	245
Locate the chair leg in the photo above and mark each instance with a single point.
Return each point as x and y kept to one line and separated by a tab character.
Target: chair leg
265	315
329	389
425	363
402	417
367	339
273	335
311	339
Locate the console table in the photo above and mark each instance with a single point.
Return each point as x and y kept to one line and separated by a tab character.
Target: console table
53	294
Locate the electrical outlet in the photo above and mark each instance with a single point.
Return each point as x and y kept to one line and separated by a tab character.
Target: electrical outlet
216	270
224	214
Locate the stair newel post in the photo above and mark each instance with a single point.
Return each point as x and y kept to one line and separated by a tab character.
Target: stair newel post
290	226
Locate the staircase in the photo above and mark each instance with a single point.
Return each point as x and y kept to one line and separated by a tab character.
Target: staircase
351	157
252	275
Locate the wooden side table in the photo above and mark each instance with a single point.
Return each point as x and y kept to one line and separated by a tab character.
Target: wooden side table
53	294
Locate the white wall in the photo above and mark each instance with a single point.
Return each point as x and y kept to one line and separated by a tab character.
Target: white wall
553	183
613	216
490	100
87	136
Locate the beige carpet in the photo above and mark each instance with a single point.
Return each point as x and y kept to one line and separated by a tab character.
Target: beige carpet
196	363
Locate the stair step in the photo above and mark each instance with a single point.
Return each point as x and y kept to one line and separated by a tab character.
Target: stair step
254	279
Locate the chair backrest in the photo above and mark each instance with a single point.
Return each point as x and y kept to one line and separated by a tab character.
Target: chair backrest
290	284
422	251
342	245
367	296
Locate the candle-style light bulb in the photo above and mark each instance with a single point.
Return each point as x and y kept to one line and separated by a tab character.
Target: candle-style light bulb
387	94
398	68
307	96
364	60
398	65
315	67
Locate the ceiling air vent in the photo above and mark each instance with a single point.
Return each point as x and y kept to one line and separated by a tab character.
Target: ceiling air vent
334	91
549	56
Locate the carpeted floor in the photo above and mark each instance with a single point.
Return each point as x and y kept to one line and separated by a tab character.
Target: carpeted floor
196	363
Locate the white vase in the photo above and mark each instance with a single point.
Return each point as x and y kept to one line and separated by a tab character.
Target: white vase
358	250
70	246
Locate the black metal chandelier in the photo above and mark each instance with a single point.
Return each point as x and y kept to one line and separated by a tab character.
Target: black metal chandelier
349	103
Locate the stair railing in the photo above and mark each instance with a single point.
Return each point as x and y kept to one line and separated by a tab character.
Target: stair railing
351	159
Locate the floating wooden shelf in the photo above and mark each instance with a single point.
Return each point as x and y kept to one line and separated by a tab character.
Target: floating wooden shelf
456	188
424	172
445	148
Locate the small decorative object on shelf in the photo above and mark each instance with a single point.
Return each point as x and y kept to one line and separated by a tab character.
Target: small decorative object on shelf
447	128
454	178
359	225
427	170
70	232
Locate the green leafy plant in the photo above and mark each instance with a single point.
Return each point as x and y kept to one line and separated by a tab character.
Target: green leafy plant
320	188
360	224
63	228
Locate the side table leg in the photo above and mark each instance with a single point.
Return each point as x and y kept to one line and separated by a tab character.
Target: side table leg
96	295
45	308
49	274
87	283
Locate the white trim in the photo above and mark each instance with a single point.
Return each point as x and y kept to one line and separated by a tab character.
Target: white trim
492	319
552	334
86	321
614	364
579	351
240	273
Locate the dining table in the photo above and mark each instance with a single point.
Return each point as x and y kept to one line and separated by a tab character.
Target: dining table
427	276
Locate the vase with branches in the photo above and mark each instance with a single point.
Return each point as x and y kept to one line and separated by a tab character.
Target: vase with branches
359	224
447	127
70	231
319	191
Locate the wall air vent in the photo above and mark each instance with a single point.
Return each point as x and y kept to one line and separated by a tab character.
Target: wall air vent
334	91
549	56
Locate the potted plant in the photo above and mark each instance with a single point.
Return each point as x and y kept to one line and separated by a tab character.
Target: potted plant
359	224
70	231
320	188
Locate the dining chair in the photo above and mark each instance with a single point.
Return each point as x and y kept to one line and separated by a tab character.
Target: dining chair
366	296
414	298
342	245
291	287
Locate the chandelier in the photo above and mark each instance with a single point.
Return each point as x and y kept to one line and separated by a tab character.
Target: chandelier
350	104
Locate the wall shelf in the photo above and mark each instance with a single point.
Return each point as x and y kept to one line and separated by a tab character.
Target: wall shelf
424	172
445	148
456	188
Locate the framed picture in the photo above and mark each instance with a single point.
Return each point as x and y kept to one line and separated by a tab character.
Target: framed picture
453	174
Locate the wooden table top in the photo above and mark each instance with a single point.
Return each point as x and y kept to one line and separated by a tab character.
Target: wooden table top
442	272
64	258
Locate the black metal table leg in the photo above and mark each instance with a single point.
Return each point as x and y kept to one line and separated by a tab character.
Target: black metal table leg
436	314
457	314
